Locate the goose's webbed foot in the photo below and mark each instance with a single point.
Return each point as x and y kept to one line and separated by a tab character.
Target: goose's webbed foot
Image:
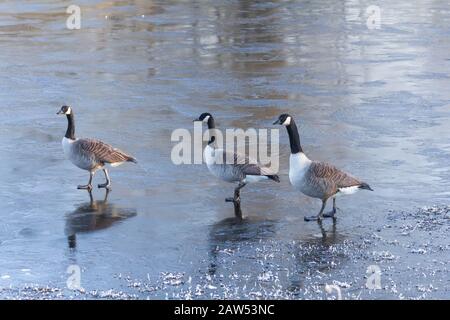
105	185
330	214
313	218
234	200
237	195
85	187
319	216
88	186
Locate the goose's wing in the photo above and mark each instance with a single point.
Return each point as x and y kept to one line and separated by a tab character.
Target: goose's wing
332	174
246	165
101	152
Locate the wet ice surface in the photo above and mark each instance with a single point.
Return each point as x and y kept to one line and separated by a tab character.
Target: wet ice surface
374	102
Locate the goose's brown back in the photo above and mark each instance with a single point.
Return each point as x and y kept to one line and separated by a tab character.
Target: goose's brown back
325	180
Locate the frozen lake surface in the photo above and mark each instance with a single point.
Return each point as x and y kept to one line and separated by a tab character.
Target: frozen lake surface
373	102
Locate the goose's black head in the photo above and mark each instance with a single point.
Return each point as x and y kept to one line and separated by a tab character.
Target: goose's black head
204	117
294	138
66	110
208	118
284	119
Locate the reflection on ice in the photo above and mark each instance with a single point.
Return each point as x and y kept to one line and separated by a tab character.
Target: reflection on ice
230	234
94	215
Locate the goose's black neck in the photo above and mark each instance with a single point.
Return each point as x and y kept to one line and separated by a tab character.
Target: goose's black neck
70	133
212	130
211	123
294	138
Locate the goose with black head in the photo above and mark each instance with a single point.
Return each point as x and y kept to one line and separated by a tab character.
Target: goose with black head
316	179
90	154
241	169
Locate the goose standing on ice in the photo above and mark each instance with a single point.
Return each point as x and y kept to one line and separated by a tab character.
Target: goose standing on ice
316	179
90	154
242	169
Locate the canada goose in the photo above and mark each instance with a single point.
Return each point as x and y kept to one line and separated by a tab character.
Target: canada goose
316	179
90	154
242	169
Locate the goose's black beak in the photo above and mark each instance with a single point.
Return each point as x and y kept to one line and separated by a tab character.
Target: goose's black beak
277	122
59	112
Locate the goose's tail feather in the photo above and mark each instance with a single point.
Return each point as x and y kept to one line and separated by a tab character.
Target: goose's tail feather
365	186
274	177
131	159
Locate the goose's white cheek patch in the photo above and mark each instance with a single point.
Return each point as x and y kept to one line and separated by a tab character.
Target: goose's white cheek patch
206	119
287	121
